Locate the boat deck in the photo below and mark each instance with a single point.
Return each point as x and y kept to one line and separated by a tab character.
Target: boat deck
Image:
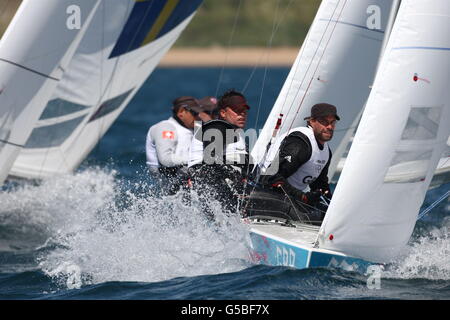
301	234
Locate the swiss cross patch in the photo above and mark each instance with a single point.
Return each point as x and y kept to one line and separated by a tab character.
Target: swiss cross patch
168	135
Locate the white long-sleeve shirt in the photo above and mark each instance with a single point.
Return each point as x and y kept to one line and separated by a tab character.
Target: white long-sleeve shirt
168	144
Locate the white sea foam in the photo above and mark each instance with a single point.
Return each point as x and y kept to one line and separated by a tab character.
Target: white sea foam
426	257
31	213
91	231
96	232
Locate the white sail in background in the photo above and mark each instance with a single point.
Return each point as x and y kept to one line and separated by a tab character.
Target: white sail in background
124	43
405	123
34	51
336	65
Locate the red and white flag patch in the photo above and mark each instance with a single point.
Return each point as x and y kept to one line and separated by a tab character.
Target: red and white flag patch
168	135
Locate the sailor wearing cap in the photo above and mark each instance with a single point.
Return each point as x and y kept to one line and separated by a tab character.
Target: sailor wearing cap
304	157
168	142
224	159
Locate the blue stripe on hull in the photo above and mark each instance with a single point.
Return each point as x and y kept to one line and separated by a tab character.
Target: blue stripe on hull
266	250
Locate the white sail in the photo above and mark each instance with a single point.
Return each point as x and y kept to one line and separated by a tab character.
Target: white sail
122	46
336	65
406	121
34	51
410	170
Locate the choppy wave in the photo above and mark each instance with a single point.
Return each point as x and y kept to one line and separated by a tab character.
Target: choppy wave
91	230
426	257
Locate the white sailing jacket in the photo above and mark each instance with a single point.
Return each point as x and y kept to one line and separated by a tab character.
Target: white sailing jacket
168	144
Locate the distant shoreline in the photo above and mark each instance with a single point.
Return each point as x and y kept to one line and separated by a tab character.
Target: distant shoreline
229	57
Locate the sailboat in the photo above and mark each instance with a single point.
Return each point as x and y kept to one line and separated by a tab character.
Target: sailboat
405	120
63	87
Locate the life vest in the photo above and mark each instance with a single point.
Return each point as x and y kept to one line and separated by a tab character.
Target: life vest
182	135
310	170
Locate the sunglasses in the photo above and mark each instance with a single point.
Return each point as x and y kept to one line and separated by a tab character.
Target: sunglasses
238	110
326	123
194	113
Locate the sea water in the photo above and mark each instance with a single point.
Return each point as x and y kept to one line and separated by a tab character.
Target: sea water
105	232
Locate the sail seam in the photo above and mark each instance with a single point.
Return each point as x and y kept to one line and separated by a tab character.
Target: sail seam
353	25
28	69
421	48
11	143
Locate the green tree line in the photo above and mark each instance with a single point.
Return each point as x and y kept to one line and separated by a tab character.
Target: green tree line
249	23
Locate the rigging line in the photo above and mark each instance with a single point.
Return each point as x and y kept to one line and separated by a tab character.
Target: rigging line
228	46
300	58
107	86
274	31
315	53
446	160
275	27
318	64
116	64
433	205
293	206
269	45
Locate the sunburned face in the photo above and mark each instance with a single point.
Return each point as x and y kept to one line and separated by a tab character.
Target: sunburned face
323	128
236	115
186	117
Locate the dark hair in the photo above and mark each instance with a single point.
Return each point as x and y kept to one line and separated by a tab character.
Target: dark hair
180	102
229	93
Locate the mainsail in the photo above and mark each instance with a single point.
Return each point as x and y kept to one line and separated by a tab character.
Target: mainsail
405	123
122	46
34	50
336	64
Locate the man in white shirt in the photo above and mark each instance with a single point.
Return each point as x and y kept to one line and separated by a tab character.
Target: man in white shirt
168	142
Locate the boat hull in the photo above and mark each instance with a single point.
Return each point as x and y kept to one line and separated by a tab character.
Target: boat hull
271	249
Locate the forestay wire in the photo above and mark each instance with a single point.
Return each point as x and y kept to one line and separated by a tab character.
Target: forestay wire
275	26
433	205
233	29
